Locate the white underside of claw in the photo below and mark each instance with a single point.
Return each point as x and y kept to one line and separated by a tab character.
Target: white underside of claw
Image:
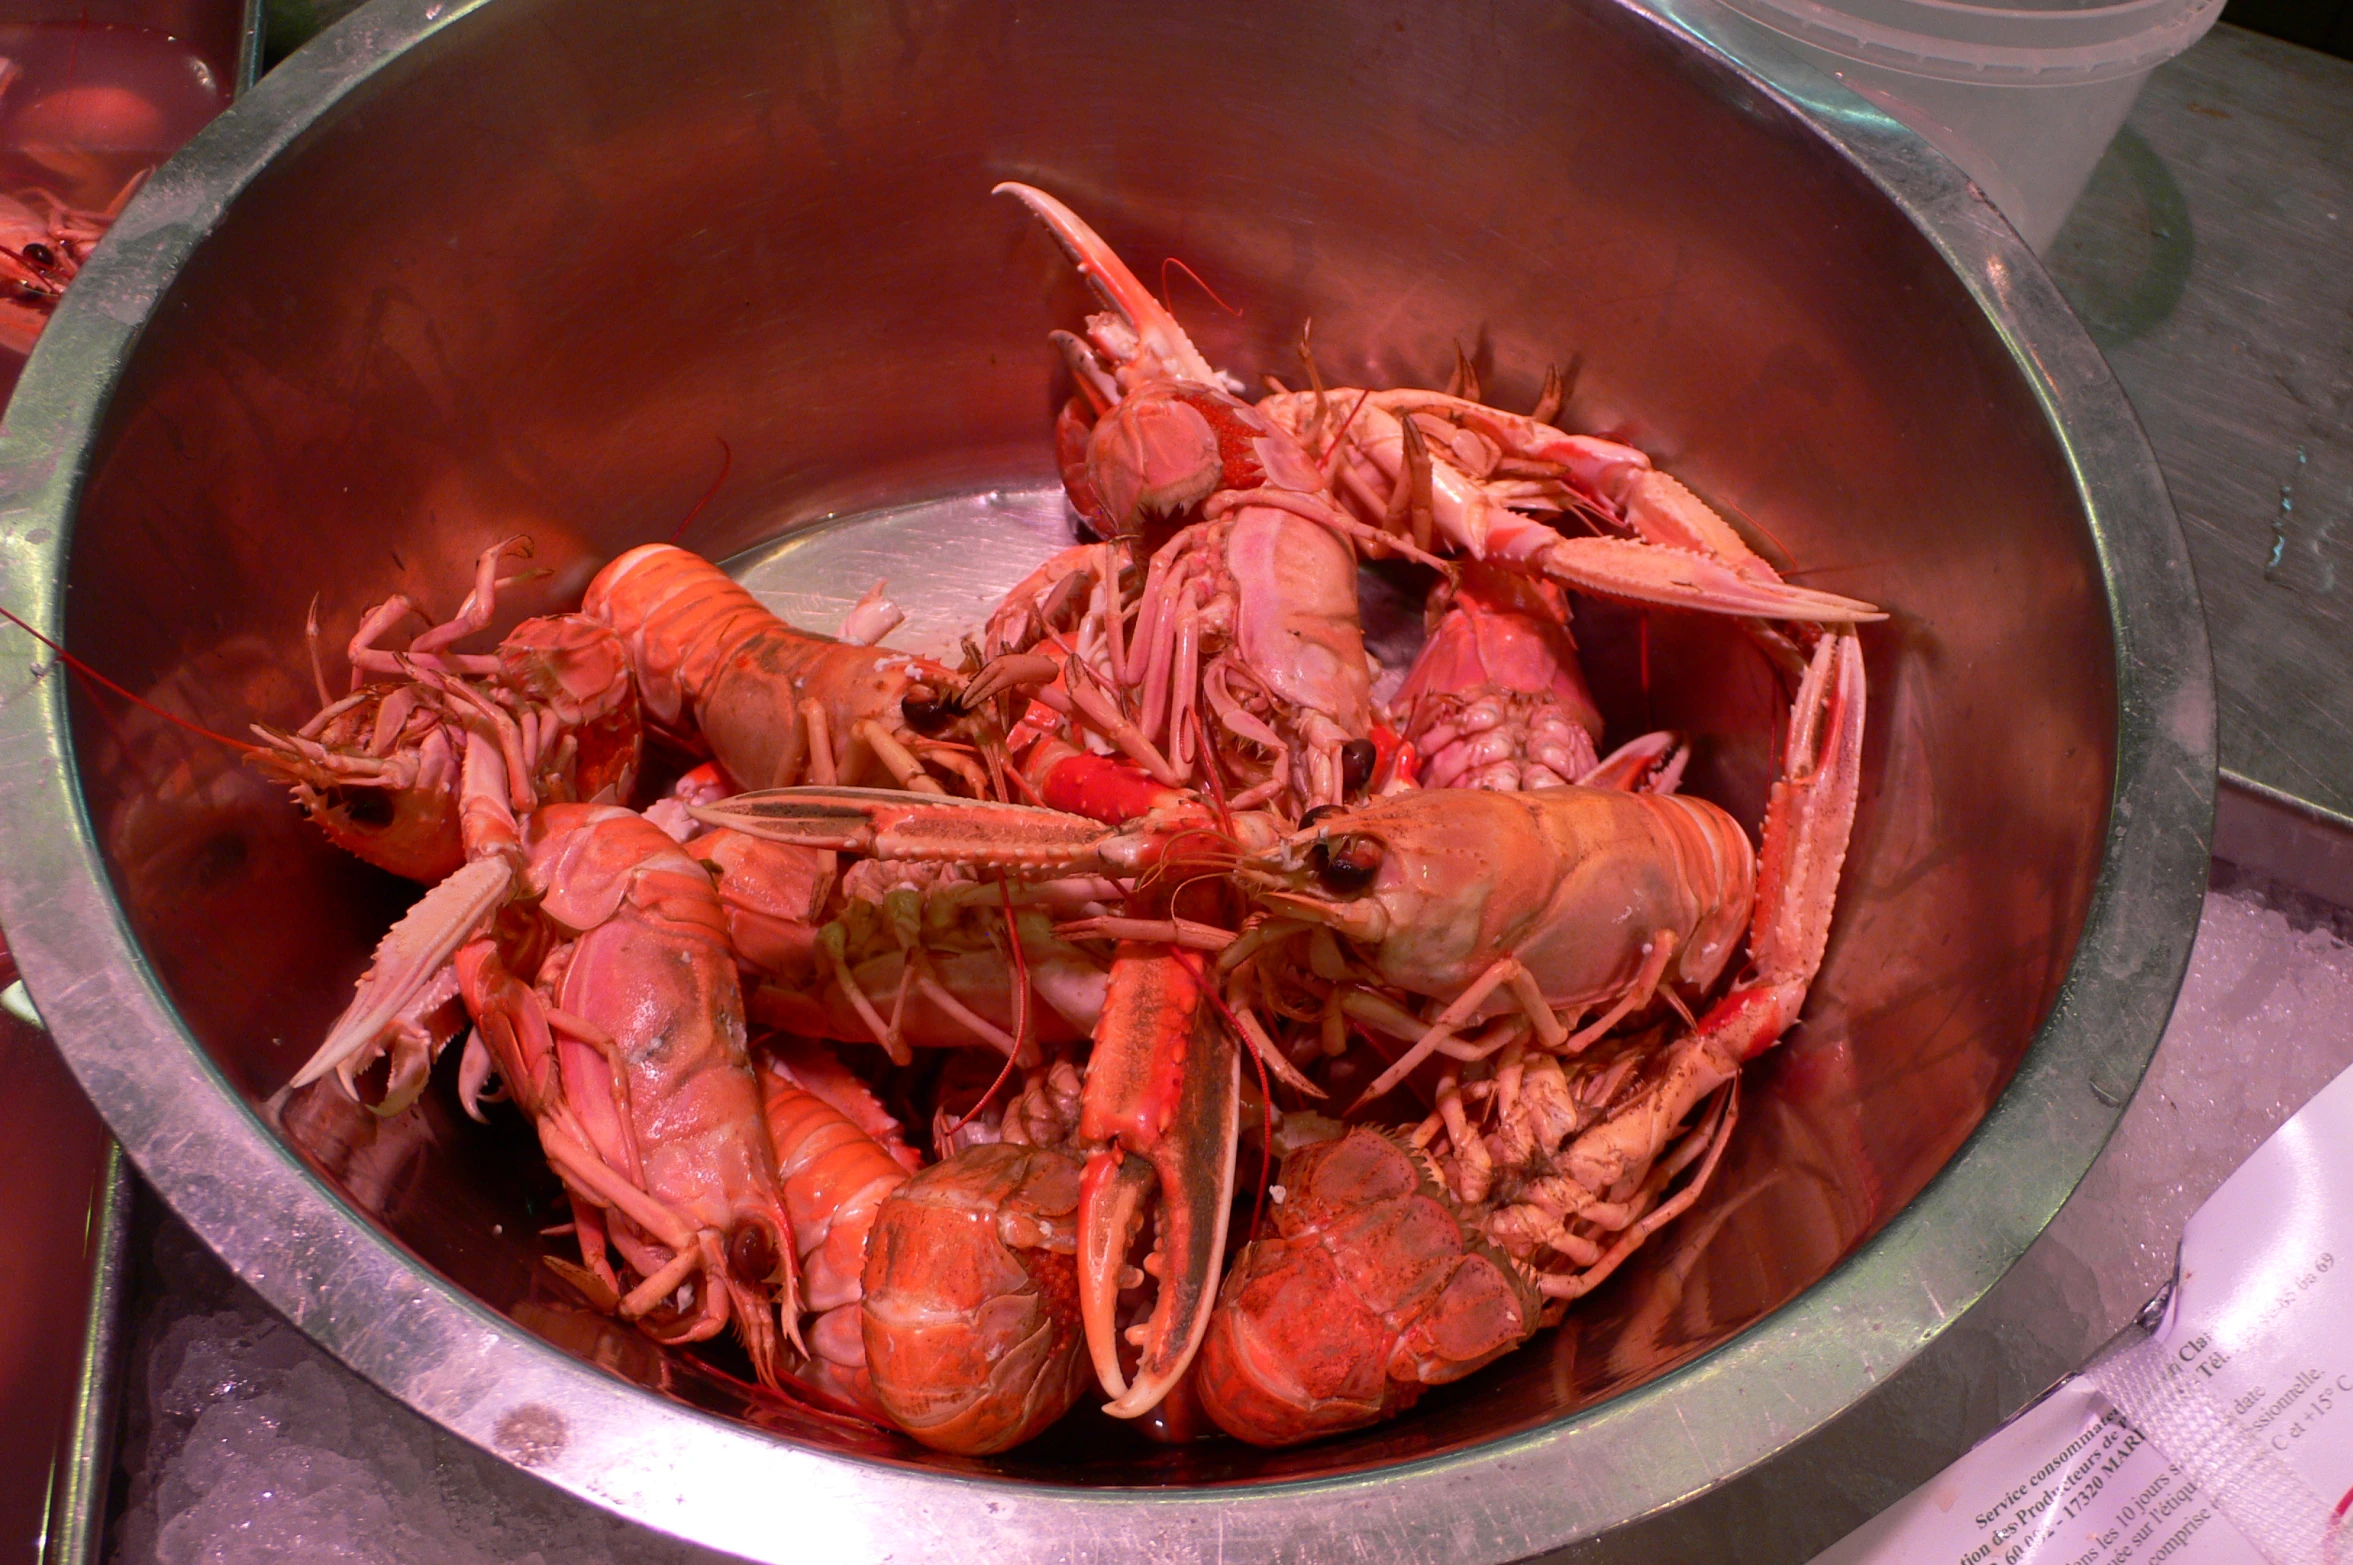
916	827
1678	578
411	953
1811	817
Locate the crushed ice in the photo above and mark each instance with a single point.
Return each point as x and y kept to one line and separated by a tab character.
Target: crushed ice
244	1444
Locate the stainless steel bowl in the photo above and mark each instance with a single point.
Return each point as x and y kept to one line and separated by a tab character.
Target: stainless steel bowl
457	271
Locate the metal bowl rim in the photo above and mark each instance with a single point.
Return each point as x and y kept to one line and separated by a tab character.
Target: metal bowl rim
722	1484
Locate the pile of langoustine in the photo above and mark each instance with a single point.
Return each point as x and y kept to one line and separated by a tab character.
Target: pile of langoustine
1160	867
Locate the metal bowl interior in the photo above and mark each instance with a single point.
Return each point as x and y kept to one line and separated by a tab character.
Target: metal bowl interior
551	269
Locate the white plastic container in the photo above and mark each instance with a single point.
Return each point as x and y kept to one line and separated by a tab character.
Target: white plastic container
2025	99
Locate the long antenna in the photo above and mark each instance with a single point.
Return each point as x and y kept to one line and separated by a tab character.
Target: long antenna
87	672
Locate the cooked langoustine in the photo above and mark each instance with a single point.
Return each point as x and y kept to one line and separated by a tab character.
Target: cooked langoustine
775	705
1562	1161
433	756
1475	927
1369	1291
838	1156
970	1314
1569	1116
1496	698
1244	653
606	1005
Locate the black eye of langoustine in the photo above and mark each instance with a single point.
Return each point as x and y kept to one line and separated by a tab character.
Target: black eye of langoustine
1357	758
1346	865
367	808
751	1254
928	714
40	255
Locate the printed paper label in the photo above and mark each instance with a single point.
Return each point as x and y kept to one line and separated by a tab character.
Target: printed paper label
2223	1438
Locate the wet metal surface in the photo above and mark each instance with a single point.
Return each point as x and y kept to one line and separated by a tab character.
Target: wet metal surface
2212	260
52	1159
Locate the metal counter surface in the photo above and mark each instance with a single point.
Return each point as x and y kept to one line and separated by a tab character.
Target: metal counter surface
2212	258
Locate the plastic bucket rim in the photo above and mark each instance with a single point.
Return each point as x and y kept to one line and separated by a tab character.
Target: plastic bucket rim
1947	57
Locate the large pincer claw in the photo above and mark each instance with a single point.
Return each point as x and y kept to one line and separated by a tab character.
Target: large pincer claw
1163	1102
937	829
413	957
1159	345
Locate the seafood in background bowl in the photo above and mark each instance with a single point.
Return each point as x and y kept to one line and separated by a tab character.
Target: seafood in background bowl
88	109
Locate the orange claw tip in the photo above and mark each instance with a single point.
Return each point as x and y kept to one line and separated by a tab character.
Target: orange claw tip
1164	1084
1158	331
1112	1194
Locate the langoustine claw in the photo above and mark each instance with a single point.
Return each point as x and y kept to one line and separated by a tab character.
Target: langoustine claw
1160	1103
1162	1109
1244	661
1451	455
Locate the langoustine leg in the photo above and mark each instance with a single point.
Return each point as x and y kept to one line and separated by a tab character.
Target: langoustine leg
612	1014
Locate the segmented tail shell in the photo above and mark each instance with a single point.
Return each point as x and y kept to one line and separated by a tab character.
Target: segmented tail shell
971	1319
1371	1289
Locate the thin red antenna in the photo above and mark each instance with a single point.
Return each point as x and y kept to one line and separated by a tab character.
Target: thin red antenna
1210	762
1197	282
1769	537
1331	461
1020	1011
87	672
726	461
984	1097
